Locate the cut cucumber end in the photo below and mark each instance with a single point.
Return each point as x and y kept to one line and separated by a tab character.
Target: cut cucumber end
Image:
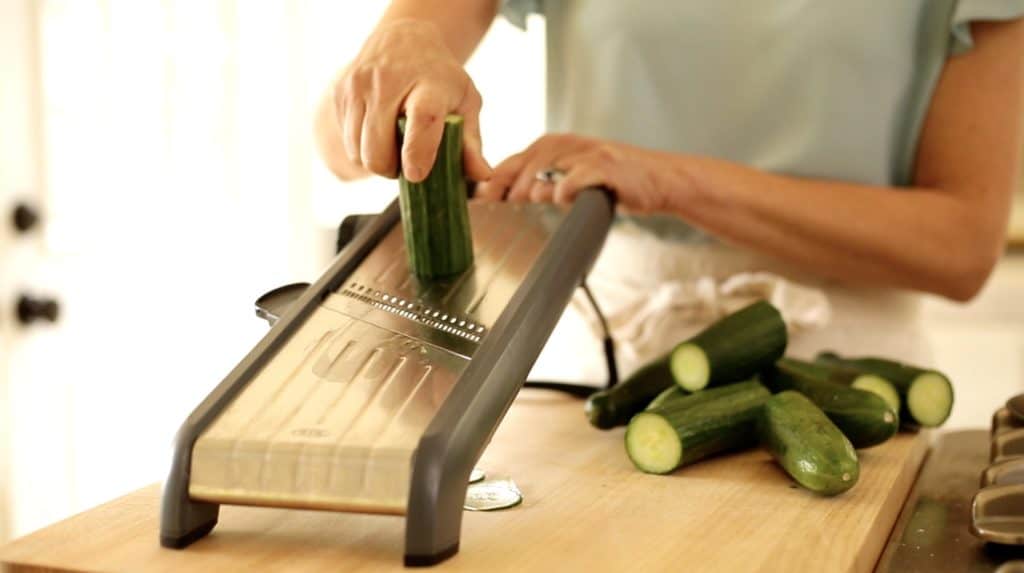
930	399
690	367
653	444
879	386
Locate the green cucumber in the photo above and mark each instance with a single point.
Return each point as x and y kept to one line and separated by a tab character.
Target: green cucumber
614	407
732	349
879	387
927	395
807	444
863	381
865	418
697	426
435	216
669	395
675	395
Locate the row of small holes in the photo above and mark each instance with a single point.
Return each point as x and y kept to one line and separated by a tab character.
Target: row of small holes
421	318
402	303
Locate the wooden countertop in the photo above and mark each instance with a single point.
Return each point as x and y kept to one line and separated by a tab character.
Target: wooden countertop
585	508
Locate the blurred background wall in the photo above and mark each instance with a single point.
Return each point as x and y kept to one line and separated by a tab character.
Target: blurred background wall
166	146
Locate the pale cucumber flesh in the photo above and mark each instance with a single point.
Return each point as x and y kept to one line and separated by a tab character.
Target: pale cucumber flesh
653	444
880	387
690	367
930	399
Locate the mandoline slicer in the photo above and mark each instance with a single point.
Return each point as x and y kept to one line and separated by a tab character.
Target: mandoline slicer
374	392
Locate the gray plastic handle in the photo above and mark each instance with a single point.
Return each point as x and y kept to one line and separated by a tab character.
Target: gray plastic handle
462	427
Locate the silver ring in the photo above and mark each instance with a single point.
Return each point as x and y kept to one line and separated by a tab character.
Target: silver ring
550	175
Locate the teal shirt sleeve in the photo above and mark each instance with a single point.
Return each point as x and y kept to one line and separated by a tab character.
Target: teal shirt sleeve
968	11
516	11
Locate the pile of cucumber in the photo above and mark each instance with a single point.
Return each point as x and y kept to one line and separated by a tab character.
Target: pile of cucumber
731	387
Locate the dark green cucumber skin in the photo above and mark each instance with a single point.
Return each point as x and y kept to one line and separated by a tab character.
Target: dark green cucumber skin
435	215
614	407
681	397
811	449
834	372
902	377
667	396
743	343
717	420
859	414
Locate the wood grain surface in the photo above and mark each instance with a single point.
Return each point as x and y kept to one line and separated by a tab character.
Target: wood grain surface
585	508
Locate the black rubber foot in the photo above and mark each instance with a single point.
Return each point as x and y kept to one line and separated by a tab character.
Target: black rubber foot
430	560
189	538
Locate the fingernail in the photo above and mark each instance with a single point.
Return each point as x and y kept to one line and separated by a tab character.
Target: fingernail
413	173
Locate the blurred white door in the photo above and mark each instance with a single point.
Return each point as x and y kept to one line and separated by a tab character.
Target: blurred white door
116	126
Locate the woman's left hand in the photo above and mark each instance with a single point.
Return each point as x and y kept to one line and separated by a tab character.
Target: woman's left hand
631	173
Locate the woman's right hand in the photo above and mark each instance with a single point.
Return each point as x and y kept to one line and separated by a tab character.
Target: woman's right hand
404	68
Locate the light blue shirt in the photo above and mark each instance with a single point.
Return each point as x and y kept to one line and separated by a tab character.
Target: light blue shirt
826	89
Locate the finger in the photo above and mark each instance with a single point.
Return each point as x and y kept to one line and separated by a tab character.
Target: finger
496	187
581	176
542	192
378	147
352	130
425	111
476	166
548	152
540	160
487	191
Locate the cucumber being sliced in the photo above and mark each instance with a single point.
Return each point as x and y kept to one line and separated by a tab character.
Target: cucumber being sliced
865	418
732	349
927	395
435	216
614	407
695	427
807	444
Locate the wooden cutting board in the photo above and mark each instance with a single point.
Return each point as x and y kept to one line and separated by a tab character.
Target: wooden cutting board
585	508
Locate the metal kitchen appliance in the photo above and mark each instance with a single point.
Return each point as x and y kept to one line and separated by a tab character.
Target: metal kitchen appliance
997	509
374	392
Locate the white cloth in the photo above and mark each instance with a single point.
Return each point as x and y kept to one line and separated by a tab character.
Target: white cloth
655	293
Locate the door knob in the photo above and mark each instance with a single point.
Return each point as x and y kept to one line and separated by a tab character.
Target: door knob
24	217
31	309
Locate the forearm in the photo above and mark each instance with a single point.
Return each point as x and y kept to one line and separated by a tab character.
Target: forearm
917	238
461	24
943	235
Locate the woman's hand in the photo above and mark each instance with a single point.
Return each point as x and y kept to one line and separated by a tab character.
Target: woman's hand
631	173
405	67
